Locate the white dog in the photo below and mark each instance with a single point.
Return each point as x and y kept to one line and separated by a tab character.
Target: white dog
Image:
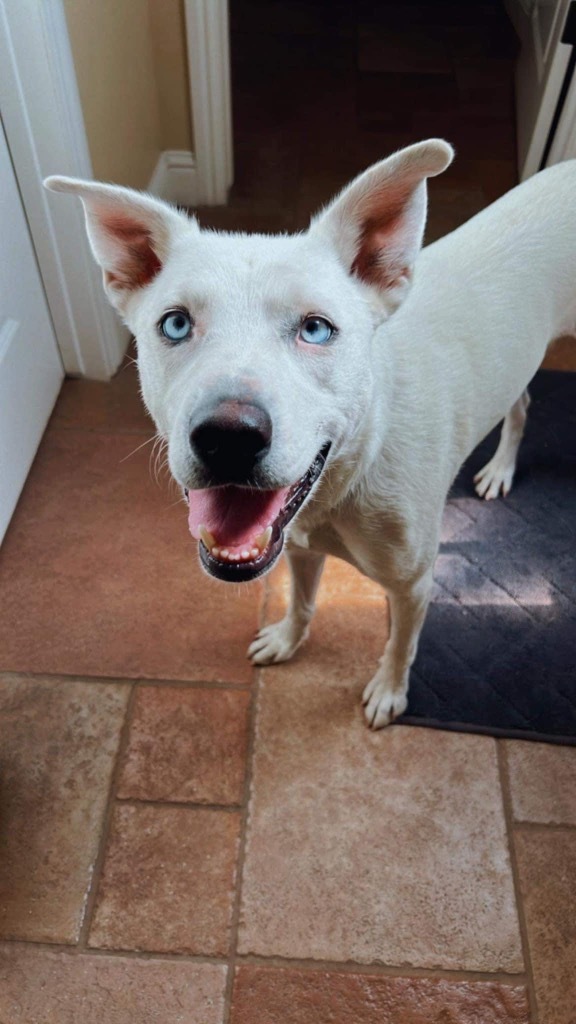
326	387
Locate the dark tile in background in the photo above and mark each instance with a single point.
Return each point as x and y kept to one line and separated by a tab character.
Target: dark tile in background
323	89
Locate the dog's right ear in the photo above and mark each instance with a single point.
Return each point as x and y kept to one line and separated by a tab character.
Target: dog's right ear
377	222
130	233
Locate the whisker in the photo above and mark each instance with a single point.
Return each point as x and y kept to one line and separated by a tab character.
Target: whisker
144	443
154	455
160	455
165	469
179	501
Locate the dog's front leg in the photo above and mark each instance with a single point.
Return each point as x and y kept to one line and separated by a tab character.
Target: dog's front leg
385	696
279	641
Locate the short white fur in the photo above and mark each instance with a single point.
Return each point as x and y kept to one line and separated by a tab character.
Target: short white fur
433	349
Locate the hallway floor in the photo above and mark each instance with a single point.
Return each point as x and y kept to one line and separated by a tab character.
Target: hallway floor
185	840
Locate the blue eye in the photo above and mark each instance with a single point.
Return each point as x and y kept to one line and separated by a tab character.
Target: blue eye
176	325
316	330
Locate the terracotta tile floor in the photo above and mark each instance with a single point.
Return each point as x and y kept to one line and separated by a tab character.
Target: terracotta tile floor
182	836
188	841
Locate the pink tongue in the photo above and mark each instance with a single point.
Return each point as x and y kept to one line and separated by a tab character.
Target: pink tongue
233	515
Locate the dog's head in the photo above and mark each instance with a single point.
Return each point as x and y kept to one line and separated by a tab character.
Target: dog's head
253	350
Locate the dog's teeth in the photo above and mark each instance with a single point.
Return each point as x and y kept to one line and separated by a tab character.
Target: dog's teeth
257	548
263	540
206	537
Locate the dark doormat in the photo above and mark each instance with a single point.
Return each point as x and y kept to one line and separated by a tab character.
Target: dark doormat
497	653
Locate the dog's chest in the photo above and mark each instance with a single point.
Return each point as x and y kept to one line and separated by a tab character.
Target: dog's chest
373	546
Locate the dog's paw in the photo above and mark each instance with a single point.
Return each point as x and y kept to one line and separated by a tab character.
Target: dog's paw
275	643
495	477
381	704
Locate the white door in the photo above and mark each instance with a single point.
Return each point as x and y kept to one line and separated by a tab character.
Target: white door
540	72
30	367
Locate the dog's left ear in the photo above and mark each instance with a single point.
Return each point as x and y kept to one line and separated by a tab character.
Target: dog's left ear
130	233
377	223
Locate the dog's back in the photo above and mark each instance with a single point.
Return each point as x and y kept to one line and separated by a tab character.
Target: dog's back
486	302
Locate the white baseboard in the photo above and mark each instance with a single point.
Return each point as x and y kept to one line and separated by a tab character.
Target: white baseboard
175	178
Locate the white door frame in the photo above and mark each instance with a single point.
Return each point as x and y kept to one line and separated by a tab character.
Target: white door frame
540	71
207	35
44	125
564	144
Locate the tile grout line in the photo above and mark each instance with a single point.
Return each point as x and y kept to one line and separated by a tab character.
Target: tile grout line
509	820
82	677
282	963
107	824
544	826
235	922
381	970
134	801
194	684
114	952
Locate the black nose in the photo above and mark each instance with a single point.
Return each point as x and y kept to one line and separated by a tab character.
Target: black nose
231	440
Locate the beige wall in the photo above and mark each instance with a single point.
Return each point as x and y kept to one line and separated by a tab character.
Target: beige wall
130	58
169	44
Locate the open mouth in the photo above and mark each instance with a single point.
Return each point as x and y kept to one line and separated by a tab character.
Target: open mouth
241	530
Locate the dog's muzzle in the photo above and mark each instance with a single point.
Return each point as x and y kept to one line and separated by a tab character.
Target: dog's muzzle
240	529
